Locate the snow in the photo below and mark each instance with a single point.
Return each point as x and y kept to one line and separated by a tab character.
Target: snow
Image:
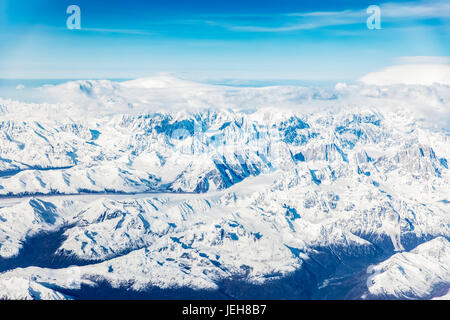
444	297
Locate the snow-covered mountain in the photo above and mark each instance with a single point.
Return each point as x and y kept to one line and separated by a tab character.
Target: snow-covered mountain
414	274
422	74
165	183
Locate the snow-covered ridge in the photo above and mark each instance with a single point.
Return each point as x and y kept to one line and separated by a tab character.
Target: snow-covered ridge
414	274
106	136
24	289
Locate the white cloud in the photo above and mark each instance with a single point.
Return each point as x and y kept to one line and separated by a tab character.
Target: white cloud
317	19
292	27
119	31
423	59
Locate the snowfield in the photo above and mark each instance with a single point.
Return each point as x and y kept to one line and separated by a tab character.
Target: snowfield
165	183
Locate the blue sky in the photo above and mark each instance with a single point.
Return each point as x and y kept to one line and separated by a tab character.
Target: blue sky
256	39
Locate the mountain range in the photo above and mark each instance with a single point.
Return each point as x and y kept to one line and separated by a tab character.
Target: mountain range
163	187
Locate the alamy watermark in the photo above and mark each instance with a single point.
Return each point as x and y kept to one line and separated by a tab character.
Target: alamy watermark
374	20
74	20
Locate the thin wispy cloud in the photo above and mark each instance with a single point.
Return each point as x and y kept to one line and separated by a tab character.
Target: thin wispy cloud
343	13
390	12
293	22
306	26
423	59
297	21
255	40
414	10
117	31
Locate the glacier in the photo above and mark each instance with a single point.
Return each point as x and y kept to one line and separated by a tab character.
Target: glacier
164	185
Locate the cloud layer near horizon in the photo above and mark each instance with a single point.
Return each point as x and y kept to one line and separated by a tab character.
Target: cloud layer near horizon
385	90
